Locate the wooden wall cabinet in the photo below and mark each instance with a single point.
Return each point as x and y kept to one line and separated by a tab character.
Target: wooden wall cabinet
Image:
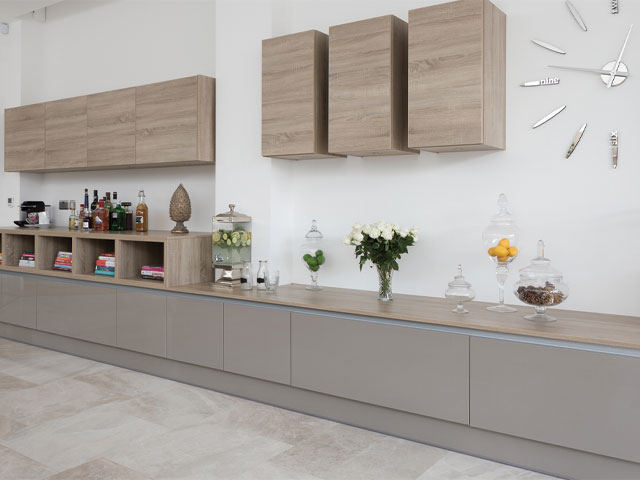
457	63
368	87
24	138
161	124
65	134
175	121
111	124
295	96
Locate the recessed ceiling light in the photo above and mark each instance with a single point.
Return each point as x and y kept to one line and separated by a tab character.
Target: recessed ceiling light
4	28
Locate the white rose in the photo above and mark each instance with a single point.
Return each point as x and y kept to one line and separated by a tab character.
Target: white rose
415	237
414	231
347	240
387	234
396	227
382	225
403	232
366	229
357	227
357	237
375	233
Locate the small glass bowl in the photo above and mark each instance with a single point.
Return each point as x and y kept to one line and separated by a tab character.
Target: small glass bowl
459	291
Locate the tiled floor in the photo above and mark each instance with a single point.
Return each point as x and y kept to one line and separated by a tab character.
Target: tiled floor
63	417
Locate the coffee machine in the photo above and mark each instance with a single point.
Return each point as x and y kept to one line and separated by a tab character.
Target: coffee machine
34	214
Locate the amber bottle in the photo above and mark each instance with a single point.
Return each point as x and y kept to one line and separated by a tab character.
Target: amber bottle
142	213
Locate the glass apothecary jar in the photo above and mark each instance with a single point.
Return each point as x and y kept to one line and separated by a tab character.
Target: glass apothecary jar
501	240
459	291
541	286
231	246
312	254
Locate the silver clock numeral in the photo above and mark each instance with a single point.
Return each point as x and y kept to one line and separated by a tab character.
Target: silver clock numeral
614	6
614	148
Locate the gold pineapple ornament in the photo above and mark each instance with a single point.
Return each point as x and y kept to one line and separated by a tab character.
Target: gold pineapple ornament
180	209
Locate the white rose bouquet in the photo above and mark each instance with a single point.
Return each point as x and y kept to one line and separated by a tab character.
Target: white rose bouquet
383	244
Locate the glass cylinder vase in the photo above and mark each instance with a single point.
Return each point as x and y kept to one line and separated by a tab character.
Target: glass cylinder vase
385	275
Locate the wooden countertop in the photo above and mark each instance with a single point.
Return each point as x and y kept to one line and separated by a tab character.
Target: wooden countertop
150	236
586	327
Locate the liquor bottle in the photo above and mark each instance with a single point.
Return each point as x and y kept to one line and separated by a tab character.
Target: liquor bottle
73	218
142	213
118	216
101	218
94	206
86	197
86	219
129	215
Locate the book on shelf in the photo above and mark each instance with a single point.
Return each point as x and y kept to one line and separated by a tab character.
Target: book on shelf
27	260
152	277
106	263
155	268
105	273
63	261
152	274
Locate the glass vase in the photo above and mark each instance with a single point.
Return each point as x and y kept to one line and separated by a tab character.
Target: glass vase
385	275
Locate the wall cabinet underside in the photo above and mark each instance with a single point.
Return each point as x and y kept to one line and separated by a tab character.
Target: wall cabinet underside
161	124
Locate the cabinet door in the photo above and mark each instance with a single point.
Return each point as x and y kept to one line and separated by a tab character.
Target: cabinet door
584	400
24	138
166	121
294	95
111	136
66	134
142	322
257	342
87	312
408	369
18	300
368	87
195	331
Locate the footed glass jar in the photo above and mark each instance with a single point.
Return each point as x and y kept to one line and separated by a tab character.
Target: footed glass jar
541	286
231	246
460	291
501	240
312	254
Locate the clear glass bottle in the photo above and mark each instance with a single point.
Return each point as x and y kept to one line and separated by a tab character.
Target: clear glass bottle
142	214
541	286
73	217
86	219
459	291
263	270
101	218
312	254
246	279
501	239
118	216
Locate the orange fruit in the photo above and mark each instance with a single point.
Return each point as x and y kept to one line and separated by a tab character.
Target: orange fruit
501	251
504	243
513	251
503	259
491	252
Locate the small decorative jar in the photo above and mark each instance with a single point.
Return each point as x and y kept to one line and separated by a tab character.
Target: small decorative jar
231	246
312	254
459	291
541	286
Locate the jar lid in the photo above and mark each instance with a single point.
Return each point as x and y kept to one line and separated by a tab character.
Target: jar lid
540	269
232	216
314	233
459	281
504	216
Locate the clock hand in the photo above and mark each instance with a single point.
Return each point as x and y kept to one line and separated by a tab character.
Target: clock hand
592	70
614	71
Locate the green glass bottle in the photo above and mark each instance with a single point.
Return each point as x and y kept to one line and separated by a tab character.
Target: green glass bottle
118	215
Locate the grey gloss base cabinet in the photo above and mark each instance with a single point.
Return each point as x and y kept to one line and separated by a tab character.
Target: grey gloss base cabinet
18	300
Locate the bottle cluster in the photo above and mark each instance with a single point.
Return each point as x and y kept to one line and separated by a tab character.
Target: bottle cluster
104	214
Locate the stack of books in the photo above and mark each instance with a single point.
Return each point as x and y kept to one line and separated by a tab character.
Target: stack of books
106	264
27	260
0	258
63	262
152	272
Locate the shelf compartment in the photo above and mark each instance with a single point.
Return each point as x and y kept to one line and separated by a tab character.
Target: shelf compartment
132	255
48	248
15	245
86	253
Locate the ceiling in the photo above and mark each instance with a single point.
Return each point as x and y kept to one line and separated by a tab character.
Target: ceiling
12	9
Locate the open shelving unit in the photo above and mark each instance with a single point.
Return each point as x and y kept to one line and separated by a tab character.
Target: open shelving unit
186	258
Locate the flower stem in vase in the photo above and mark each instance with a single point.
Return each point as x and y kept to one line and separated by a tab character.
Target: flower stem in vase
385	275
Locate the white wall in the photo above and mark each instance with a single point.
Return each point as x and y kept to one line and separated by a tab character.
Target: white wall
88	47
588	214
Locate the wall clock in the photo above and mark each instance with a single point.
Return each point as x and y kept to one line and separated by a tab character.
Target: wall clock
613	74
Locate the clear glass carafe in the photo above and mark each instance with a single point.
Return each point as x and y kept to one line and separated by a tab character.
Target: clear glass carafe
263	271
312	254
459	291
501	240
541	286
246	279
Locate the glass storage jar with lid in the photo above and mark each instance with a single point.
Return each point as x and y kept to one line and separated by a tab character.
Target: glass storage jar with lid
460	291
541	286
312	254
231	246
501	240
